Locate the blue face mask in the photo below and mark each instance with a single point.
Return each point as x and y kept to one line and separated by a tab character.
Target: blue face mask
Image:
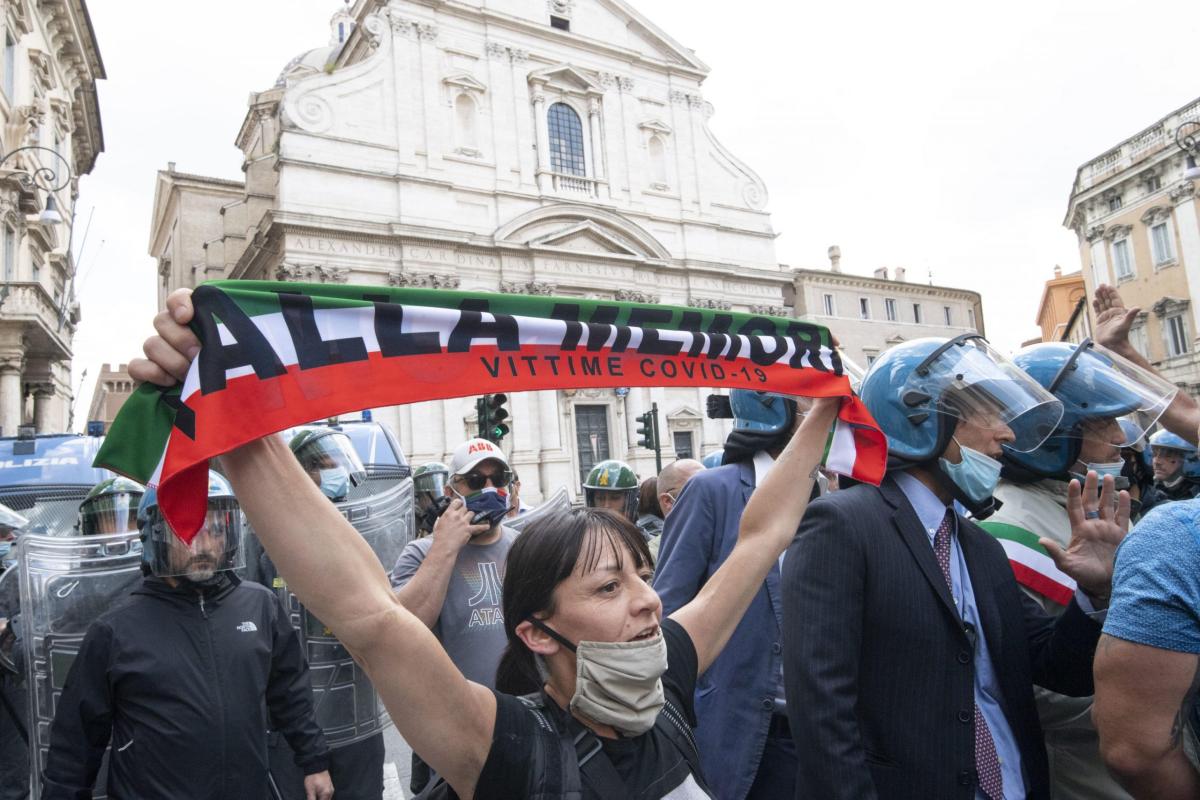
490	501
1101	470
335	482
5	549
976	474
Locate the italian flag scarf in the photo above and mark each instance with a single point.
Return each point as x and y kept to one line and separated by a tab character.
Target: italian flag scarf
274	355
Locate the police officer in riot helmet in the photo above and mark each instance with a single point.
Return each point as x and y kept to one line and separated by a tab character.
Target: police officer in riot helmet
612	485
356	768
186	667
329	458
429	488
1171	454
110	507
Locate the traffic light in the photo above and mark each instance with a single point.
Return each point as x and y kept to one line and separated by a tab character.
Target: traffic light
647	432
492	415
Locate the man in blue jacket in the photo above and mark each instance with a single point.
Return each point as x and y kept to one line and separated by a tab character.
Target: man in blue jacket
743	736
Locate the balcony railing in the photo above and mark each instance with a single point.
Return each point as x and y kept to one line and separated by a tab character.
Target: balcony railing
28	301
575	184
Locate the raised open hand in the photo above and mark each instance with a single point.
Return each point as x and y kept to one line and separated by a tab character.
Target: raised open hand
1098	524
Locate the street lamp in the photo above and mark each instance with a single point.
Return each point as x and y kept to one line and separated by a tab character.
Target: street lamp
47	179
1187	139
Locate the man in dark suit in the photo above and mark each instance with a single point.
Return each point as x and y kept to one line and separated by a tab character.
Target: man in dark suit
910	652
742	733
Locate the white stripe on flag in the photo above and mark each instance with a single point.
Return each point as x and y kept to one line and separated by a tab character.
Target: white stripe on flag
1038	562
842	452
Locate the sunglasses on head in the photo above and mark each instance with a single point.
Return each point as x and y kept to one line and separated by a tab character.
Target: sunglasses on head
477	480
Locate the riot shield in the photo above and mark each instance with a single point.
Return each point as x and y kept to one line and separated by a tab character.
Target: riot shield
10	606
559	501
346	704
65	584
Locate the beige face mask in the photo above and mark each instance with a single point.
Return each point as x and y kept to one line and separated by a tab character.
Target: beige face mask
617	683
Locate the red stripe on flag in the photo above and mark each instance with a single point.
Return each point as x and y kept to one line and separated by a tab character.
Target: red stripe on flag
249	408
1037	582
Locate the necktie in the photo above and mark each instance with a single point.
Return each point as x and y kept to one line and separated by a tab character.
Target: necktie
987	763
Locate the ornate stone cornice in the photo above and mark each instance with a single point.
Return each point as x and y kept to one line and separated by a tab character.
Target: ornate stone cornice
709	302
309	272
771	311
428	280
498	51
1169	306
1155	215
411	28
1183	192
1116	232
528	287
1095	232
634	296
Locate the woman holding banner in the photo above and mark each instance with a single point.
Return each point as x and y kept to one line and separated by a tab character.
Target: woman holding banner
612	681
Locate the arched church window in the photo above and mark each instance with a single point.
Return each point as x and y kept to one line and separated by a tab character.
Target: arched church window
566	140
658	160
464	117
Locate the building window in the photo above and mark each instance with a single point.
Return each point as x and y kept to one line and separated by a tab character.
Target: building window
1121	259
948	315
561	23
10	254
1114	203
1160	243
889	309
1137	338
971	319
1177	339
658	160
683	444
829	306
1153	184
37	271
566	140
591	437
917	313
464	118
864	308
871	359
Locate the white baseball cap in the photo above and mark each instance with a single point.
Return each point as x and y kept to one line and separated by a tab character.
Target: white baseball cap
471	452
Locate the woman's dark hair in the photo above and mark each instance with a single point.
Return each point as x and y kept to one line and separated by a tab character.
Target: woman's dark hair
542	557
648	498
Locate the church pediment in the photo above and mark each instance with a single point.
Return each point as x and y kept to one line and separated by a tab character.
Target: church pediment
566	78
586	237
464	80
655	126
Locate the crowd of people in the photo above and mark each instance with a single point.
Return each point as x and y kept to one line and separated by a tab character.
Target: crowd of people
1013	613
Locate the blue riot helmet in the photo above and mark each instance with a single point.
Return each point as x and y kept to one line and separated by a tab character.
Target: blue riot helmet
714	459
1096	387
330	460
1135	437
1170	441
111	507
761	412
215	548
919	391
1165	444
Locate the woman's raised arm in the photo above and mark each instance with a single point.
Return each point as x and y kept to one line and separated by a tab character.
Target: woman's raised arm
769	523
334	572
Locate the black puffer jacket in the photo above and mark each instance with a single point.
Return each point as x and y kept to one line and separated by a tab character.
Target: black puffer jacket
185	683
1186	489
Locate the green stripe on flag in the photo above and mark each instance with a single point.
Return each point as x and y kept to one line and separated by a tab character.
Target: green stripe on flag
1014	533
146	420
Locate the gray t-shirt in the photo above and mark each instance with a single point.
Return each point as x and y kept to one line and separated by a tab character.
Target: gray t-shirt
471	623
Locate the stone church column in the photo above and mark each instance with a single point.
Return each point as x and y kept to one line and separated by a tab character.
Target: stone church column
543	142
597	141
523	407
428	437
43	402
10	395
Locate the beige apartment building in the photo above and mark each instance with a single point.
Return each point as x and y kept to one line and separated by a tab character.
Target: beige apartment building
1136	218
869	314
50	135
1064	313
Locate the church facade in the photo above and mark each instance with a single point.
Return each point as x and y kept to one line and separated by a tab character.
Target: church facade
557	147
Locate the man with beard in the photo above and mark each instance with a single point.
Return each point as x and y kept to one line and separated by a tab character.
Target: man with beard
183	675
